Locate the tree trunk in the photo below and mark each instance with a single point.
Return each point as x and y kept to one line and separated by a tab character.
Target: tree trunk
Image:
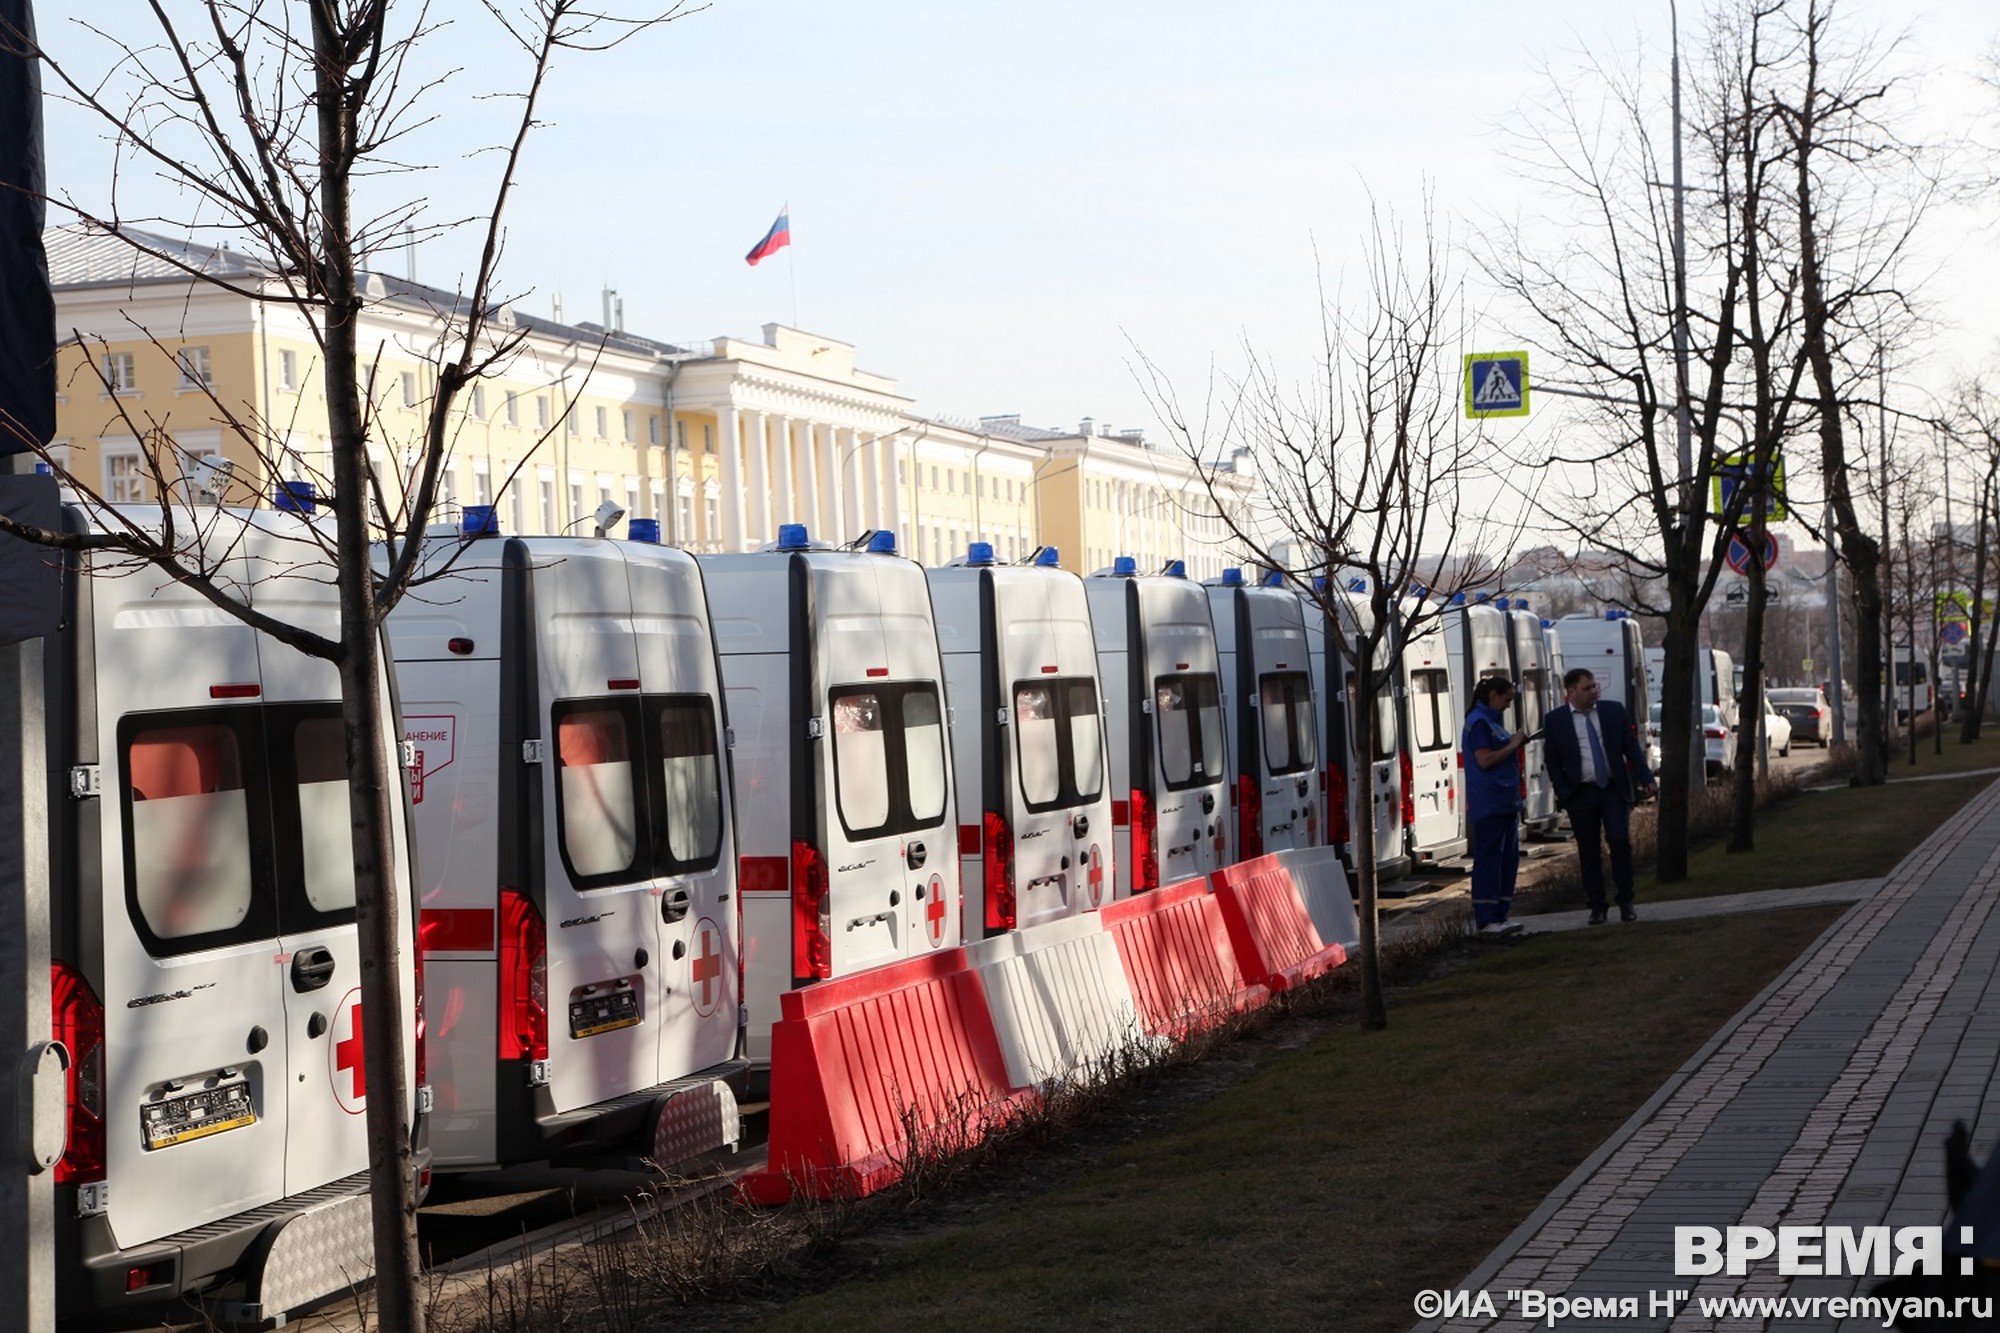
1374	1004
1968	725
1679	707
1750	703
392	1165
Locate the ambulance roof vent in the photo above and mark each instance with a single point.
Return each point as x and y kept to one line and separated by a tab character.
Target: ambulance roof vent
1177	569
1124	567
480	521
979	553
1048	557
792	537
643	530
296	497
1232	577
882	543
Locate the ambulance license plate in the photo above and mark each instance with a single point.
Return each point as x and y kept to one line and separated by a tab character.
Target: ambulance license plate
197	1115
597	1014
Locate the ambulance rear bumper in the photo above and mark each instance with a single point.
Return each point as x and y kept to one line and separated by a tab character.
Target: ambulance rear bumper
668	1123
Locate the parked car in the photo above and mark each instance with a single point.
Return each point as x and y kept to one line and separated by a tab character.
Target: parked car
1718	740
1807	709
1777	730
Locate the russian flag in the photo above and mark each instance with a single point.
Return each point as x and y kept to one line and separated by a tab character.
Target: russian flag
774	240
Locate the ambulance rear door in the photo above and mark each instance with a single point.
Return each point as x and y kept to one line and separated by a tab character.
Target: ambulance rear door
1281	753
1191	773
605	987
695	895
199	1066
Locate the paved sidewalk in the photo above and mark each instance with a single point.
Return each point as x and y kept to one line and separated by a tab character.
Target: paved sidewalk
1825	1102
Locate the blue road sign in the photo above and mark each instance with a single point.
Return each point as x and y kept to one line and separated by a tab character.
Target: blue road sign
1953	632
1496	384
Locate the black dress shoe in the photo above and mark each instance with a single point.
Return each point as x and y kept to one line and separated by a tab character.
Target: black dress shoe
1598	916
1627	913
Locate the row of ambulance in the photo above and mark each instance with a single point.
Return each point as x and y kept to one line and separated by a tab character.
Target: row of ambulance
648	793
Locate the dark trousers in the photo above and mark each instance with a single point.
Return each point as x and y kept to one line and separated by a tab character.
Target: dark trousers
1596	812
1496	861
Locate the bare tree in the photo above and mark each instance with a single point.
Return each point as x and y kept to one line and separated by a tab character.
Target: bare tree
1978	419
1367	475
267	118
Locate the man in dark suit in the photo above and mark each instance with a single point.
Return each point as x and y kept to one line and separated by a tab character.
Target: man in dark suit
1598	770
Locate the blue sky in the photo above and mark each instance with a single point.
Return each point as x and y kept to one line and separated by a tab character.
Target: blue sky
998	202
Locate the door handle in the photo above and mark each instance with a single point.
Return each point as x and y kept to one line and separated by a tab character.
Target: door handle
914	855
311	968
1080	826
674	906
1208	802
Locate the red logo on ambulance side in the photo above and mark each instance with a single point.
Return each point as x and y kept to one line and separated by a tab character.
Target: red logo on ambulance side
344	1066
433	738
708	985
934	910
1096	876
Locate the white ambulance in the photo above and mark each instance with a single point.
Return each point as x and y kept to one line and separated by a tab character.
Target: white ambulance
1538	691
1267	690
576	839
205	961
848	841
1611	648
1164	722
1432	727
1027	739
1349	828
1480	645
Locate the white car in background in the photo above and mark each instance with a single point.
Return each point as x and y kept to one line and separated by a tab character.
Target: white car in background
1777	730
1718	740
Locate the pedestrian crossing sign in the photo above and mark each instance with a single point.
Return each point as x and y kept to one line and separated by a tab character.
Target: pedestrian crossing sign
1496	384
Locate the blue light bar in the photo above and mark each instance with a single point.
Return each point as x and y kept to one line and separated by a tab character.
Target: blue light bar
792	537
480	521
643	530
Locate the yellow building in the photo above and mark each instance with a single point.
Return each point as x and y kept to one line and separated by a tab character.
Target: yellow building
720	441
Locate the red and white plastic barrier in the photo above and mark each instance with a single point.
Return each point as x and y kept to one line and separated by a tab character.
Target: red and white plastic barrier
1061	1004
944	1047
1273	935
862	1063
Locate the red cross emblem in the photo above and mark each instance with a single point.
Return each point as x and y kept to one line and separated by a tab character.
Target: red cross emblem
1096	876
350	1091
707	967
934	911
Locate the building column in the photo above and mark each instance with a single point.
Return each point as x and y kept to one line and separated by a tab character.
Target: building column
798	434
828	438
867	489
784	504
885	453
731	536
756	482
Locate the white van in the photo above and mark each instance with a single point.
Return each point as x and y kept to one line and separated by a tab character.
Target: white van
1267	692
205	961
1479	644
847	828
1715	669
1164	725
1352	830
1027	739
1537	691
576	844
1432	728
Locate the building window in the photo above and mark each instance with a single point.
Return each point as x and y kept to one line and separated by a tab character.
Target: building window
514	488
653	432
685	505
632	499
194	367
575	498
448	486
541	411
570	422
409	388
288	370
124	477
951	482
479	402
627	415
711	516
548	504
601	419
121	374
707	439
482	483
512	409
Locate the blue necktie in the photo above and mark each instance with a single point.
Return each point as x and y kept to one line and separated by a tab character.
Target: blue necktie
1597	759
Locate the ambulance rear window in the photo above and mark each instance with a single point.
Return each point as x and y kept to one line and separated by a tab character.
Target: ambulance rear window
1189	714
888	757
597	803
192	791
1058	742
1285	700
326	840
1430	711
691	771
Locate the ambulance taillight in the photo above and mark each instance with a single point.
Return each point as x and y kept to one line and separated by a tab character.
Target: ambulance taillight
524	979
1336	803
1409	790
1000	906
79	1026
1249	818
1145	843
812	920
